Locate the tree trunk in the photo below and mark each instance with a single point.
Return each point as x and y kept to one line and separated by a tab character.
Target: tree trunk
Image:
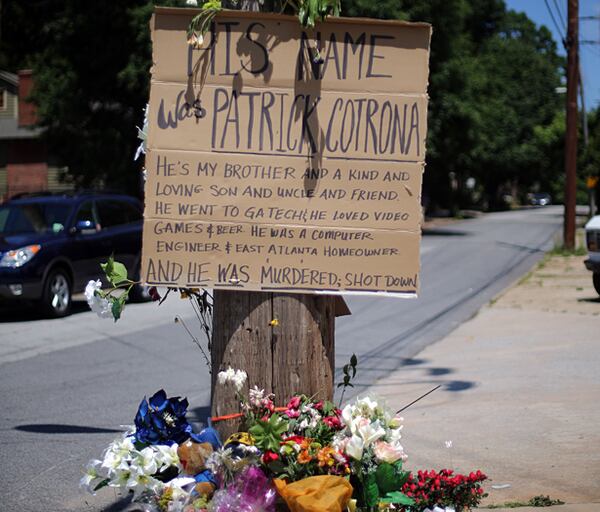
294	356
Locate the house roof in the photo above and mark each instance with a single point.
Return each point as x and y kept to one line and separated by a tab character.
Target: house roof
11	78
10	129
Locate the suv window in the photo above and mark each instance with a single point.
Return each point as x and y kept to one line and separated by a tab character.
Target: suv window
86	212
33	218
115	213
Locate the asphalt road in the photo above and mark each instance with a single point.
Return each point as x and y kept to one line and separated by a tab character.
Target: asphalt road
68	385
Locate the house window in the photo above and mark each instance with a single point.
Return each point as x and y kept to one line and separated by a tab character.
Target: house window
2	99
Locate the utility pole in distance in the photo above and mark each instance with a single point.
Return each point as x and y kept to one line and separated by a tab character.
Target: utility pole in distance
571	135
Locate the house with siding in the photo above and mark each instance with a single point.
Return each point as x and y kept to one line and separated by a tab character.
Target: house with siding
25	165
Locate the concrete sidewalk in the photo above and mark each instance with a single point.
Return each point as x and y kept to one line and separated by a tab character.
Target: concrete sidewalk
520	396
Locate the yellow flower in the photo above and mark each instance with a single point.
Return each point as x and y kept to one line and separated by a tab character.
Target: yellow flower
274	322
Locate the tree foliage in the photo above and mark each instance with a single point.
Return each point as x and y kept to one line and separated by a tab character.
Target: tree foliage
494	114
492	88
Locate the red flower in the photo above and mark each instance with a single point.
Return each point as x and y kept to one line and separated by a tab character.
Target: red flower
332	422
269	457
319	405
295	439
294	403
153	292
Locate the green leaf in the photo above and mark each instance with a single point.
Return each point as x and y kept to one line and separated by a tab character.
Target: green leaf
119	274
116	308
107	267
353	360
116	272
102	484
371	491
398	498
267	434
386	477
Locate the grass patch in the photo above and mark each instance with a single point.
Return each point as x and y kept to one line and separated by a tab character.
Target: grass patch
562	251
536	501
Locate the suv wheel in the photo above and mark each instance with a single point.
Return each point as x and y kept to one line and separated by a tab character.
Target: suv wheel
596	280
56	299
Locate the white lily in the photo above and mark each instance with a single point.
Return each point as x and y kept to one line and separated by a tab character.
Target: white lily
167	455
371	432
355	447
113	462
366	406
146	461
140	483
119	478
91	474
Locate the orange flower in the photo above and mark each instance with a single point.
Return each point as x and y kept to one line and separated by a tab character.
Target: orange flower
325	456
304	457
305	444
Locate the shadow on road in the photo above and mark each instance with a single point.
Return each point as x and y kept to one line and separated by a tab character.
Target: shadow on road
26	313
592	300
439	375
53	428
444	232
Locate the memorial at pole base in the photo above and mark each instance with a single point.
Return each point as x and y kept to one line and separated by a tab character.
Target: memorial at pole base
280	157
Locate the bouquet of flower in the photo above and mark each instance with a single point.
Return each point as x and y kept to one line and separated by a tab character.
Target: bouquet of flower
145	459
430	489
306	452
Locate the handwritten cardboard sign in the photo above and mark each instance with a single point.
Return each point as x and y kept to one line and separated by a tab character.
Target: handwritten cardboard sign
286	159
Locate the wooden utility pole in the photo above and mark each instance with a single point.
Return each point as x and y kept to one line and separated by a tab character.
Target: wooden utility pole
285	342
572	44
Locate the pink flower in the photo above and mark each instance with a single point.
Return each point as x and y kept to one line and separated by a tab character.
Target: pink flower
386	452
294	403
292	413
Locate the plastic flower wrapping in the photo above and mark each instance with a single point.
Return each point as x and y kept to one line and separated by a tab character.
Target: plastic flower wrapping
304	456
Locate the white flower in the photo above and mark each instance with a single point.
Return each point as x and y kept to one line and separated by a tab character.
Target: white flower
117	456
226	376
448	444
366	406
139	483
167	456
235	377
97	304
119	478
355	447
191	2
240	379
371	432
145	462
255	394
348	414
394	436
91	474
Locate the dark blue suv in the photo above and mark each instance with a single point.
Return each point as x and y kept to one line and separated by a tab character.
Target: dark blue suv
51	246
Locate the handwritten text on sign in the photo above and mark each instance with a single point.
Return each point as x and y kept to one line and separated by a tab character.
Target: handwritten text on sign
274	166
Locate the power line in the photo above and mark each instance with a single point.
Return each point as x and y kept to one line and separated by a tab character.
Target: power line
560	14
556	25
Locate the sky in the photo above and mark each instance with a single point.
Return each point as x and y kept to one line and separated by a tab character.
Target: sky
588	30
